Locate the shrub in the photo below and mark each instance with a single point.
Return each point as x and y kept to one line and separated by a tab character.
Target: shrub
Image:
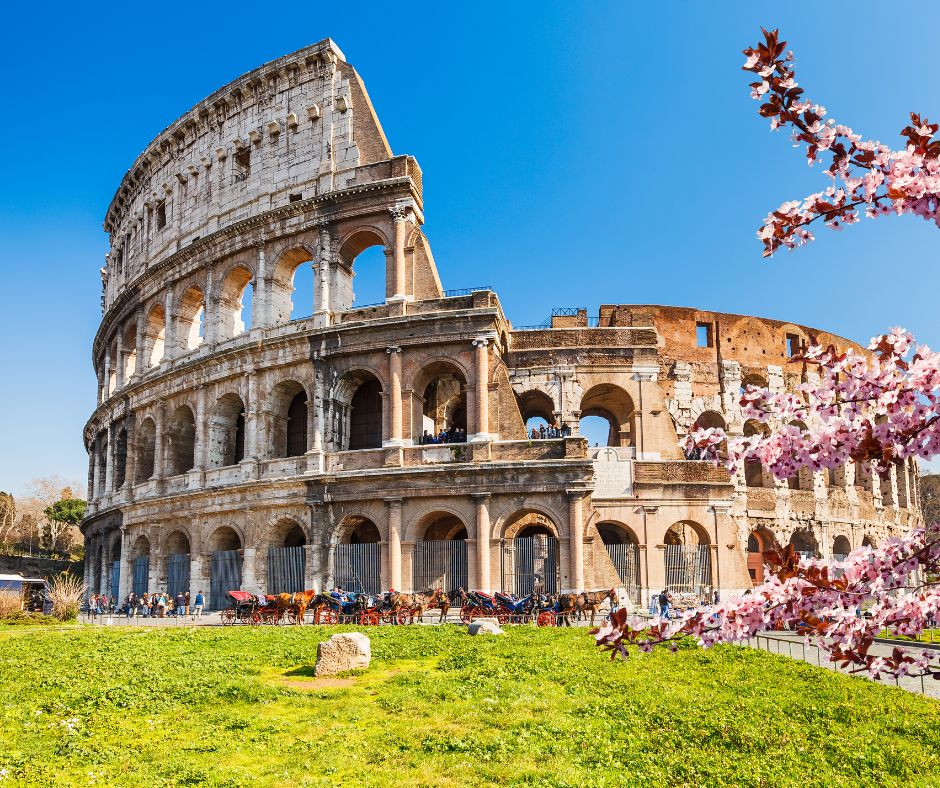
66	592
10	602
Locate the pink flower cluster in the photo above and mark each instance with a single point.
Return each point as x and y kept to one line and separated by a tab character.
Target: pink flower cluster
866	175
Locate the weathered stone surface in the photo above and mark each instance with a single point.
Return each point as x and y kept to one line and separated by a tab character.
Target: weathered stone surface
344	651
484	626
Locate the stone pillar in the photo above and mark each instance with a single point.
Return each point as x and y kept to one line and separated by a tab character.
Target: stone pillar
109	462
321	269
124	573
482	390
159	461
261	297
92	459
130	461
211	317
576	532
252	418
399	279
200	460
482	504
197	580
394	542
119	370
140	364
394	397
249	571
102	396
107	374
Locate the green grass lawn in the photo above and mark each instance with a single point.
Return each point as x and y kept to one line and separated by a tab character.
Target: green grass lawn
538	706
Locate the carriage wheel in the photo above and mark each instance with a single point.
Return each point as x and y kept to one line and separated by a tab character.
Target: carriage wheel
291	616
228	617
465	614
546	619
328	616
503	618
404	617
254	618
368	618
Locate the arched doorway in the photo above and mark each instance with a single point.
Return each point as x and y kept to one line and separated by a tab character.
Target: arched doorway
530	554
758	543
607	405
286	558
181	452
288	414
227	432
688	558
365	417
753	470
440	413
358	557
146	444
140	563
363	264
805	543
621	545
538	412
841	548
225	565
177	563
114	568
440	557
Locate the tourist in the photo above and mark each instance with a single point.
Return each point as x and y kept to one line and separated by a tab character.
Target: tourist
542	431
187	603
654	605
200	603
665	598
180	603
534	434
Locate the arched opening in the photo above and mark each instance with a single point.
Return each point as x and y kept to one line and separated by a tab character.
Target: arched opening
227	432
120	459
178	563
292	286
114	568
235	303
759	542
365	416
181	445
530	554
621	545
440	413
140	565
288	416
607	405
538	414
687	557
114	364
440	557
753	470
155	336
803	478
805	543
868	542
286	558
192	314
130	352
358	557
706	420
753	379
363	271
841	547
146	444
101	473
225	565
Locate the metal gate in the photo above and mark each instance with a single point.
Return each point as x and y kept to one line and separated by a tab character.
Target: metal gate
358	567
177	580
530	563
225	574
688	568
285	569
626	561
141	574
440	564
114	578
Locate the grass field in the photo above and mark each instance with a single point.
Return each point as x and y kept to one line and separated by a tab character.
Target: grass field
233	707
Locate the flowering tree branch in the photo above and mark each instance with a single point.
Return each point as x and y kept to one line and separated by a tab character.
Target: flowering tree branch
864	172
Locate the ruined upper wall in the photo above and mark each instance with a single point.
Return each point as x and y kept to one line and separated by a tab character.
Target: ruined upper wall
292	129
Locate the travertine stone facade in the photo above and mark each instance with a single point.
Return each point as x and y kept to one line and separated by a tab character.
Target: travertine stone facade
273	453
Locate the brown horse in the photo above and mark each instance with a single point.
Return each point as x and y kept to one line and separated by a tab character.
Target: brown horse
296	603
592	601
415	604
440	599
567	605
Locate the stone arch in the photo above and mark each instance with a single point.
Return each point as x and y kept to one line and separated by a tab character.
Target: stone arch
614	532
753	379
120	458
281	299
357	410
181	443
155	336
227	431
237	288
528	521
759	541
869	541
350	248
841	546
287	414
140	547
615	406
177	542
535	404
754	475
439	399
687	558
710	419
686	532
286	532
224	538
130	351
803	478
531	555
358	529
442	523
145	440
191	314
804	542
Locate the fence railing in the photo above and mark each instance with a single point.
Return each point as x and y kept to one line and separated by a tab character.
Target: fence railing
466	291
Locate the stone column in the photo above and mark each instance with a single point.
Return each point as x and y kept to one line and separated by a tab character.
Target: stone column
196	579
169	326
202	431
482	389
124	578
394	397
109	462
159	461
252	417
140	364
119	370
321	269
576	533
211	305
394	542
249	571
399	283
92	461
261	297
130	461
107	374
482	504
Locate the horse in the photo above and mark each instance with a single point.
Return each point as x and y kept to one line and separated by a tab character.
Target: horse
440	599
415	604
592	600
297	603
567	604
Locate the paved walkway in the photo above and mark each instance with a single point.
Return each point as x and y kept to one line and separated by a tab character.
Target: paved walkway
791	645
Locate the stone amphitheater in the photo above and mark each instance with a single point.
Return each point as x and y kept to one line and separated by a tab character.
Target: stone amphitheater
254	433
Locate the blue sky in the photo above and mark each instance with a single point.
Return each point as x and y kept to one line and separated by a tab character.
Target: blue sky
573	154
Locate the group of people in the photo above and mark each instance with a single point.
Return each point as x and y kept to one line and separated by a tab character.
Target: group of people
157	605
551	431
664	604
451	435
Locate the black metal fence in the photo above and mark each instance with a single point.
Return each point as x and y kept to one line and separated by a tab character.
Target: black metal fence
141	574
626	561
530	564
177	580
225	574
285	570
358	567
688	568
440	564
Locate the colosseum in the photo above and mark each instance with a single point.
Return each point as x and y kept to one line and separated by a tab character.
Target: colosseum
254	433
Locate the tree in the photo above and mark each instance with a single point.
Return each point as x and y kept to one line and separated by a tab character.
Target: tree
881	410
7	516
60	516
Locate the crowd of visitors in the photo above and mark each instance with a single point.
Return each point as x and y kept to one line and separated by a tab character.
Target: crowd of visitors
665	605
452	435
157	605
551	431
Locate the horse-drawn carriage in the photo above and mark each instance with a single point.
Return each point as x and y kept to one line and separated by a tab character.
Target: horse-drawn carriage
245	608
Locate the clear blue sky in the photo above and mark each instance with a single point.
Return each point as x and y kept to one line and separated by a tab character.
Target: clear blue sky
574	154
